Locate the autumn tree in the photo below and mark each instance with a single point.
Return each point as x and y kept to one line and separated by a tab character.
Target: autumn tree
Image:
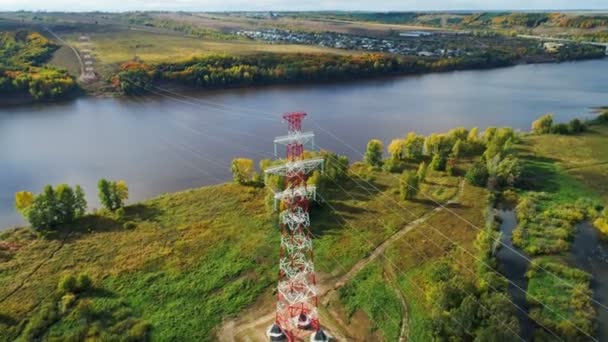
413	146
112	194
373	154
242	170
396	149
543	125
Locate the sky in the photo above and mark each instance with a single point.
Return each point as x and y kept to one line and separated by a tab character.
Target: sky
278	5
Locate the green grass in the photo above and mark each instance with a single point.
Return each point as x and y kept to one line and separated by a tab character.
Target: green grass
370	291
419	314
192	259
560	171
583	157
566	302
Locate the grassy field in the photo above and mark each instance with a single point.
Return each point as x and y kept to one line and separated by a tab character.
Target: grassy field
584	156
189	260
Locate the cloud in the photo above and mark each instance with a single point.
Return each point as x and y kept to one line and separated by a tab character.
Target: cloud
262	5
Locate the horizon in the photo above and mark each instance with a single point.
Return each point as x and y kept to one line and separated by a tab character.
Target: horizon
304	6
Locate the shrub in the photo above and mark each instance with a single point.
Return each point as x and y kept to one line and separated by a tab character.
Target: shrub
83	282
477	174
67	284
394	165
139	331
129	225
561	128
408	185
67	300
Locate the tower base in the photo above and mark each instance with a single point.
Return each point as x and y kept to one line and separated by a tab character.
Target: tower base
275	334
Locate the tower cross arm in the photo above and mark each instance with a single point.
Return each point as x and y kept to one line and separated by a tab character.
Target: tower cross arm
304	166
297	137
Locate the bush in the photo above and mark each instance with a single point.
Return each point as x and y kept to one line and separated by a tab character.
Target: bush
67	284
129	225
408	185
477	174
83	282
67	300
561	128
139	331
394	165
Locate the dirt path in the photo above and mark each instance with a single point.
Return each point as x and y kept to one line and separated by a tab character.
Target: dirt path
35	269
259	321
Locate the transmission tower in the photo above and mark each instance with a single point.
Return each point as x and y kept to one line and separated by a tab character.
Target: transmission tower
296	311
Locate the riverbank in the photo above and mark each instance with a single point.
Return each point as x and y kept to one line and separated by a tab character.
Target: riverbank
137	79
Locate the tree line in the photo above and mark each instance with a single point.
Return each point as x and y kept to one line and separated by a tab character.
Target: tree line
64	204
22	70
221	70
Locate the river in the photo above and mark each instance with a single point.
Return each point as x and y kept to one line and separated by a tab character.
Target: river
161	144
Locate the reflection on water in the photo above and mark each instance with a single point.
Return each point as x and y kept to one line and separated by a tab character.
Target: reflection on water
166	144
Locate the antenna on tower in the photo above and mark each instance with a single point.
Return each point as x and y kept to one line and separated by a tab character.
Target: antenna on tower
296	312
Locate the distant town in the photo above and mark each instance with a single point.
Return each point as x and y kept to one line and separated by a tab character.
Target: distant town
410	43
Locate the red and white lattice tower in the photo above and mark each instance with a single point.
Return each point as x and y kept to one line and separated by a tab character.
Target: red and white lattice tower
296	311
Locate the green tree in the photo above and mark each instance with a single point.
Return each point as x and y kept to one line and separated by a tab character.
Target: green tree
576	126
408	185
438	163
543	125
509	171
422	171
373	154
456	149
112	194
51	207
477	174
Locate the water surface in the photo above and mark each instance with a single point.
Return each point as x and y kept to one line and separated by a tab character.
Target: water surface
163	144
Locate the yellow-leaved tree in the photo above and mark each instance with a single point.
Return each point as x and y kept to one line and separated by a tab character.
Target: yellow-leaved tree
23	200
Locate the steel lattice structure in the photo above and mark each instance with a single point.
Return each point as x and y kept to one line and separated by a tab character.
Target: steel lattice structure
296	311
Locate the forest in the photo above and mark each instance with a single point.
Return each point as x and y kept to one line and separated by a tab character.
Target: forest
220	70
22	70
